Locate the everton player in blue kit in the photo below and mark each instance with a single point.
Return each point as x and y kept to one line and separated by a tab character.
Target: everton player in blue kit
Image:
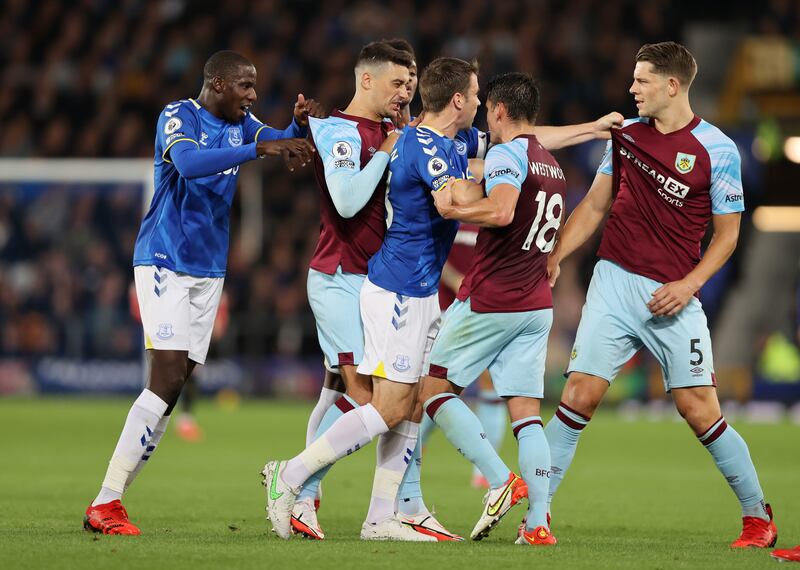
399	304
181	252
503	312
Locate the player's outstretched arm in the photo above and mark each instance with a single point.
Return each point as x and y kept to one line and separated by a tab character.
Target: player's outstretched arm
553	138
582	223
493	211
192	162
671	298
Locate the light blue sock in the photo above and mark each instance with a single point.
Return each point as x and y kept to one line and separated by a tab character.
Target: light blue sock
534	464
732	457
491	411
463	429
336	411
409	495
562	434
425	429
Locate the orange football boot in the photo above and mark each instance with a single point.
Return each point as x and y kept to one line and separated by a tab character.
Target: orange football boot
109	518
757	532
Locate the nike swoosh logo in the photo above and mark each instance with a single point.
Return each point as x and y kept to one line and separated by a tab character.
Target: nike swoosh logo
494	508
273	486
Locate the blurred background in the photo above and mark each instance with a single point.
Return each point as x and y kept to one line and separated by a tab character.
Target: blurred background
84	82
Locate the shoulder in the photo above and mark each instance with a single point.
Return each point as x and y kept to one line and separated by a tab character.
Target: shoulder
714	140
514	152
634	121
332	130
178	118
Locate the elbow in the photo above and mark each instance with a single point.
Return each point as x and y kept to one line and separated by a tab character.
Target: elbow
345	211
501	219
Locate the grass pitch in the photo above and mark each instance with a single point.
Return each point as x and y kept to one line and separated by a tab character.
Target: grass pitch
639	495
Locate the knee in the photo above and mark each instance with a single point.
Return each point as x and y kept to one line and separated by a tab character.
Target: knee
581	395
699	416
168	373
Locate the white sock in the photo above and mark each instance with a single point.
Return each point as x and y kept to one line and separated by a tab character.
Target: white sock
158	433
395	449
134	440
349	433
326	399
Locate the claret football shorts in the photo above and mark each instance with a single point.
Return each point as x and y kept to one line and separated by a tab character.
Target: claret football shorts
177	310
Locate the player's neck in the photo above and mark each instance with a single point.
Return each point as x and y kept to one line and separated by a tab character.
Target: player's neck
208	104
674	118
359	107
514	130
441	122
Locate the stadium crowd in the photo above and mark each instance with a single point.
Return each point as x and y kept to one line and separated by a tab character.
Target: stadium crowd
88	79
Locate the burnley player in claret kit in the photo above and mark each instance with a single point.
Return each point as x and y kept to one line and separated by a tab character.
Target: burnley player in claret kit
503	313
666	175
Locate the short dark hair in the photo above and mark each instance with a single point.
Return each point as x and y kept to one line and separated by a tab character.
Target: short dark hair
382	52
670	58
443	78
402	45
224	64
518	92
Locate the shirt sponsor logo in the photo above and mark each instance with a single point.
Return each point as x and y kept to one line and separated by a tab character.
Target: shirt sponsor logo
402	363
684	162
668	184
461	146
172	125
436	166
235	136
165	331
503	172
734	198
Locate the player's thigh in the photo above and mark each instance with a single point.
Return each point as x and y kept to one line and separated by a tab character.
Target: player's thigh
397	332
358	386
518	368
334	300
164	307
204	296
393	400
467	343
485	381
606	337
682	346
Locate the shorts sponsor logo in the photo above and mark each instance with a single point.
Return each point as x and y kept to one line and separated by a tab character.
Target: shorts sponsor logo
235	136
684	162
402	363
165	331
461	147
172	125
436	166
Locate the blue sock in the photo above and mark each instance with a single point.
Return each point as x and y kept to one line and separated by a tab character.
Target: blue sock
534	464
491	411
425	429
409	495
732	457
463	429
562	434
336	411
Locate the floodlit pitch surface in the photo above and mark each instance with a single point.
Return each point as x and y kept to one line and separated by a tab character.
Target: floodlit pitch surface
639	495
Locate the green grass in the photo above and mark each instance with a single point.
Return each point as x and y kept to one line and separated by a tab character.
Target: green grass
639	495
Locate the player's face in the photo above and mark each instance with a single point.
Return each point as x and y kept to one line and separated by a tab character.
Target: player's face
239	93
413	80
650	90
471	103
390	89
492	122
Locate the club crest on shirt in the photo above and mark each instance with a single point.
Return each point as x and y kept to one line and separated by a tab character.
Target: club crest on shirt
574	354
235	136
402	363
461	146
172	125
165	331
684	162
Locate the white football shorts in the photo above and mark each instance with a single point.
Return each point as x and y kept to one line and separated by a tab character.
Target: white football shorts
398	333
177	310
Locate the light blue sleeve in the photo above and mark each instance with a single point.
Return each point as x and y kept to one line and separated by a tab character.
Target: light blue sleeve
507	164
606	163
727	194
339	146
